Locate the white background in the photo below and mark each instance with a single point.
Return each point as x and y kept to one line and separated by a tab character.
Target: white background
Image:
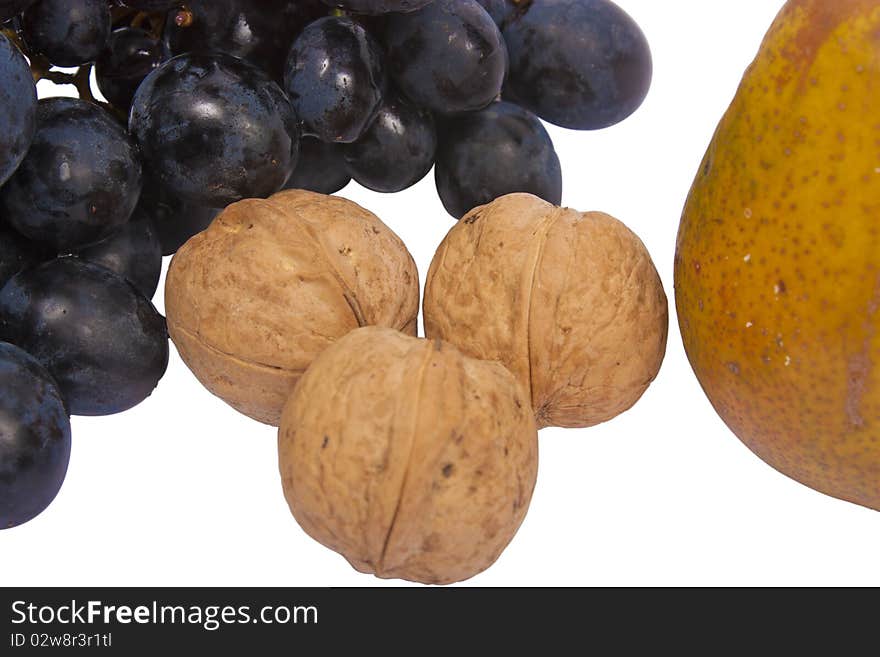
184	491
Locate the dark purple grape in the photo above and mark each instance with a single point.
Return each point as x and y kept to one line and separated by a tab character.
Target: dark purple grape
67	32
260	32
375	7
12	8
131	54
584	65
103	342
335	76
17	253
80	180
18	108
500	150
154	5
34	438
397	150
501	10
448	57
321	168
175	221
133	252
213	130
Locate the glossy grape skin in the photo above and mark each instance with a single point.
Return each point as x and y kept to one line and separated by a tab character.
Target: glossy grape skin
133	252
583	65
79	181
335	77
18	108
321	168
34	438
376	7
397	150
174	221
214	130
500	150
17	253
103	342
154	5
67	32
12	8
260	32
131	55
448	57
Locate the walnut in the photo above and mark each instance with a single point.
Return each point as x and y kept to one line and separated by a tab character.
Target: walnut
570	302
408	458
271	283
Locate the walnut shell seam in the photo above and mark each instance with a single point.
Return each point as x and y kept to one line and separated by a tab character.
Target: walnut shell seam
380	567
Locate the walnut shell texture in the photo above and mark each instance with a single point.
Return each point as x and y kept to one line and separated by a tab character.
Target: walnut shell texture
407	457
570	302
272	282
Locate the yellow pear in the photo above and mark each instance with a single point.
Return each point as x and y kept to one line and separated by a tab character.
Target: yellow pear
777	270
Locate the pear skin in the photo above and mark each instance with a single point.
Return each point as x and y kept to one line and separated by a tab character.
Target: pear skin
777	269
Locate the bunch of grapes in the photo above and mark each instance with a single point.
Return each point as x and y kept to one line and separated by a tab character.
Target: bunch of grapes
207	102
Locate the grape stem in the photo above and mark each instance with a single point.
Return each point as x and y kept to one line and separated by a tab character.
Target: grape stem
41	68
120	14
183	18
12	35
139	19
